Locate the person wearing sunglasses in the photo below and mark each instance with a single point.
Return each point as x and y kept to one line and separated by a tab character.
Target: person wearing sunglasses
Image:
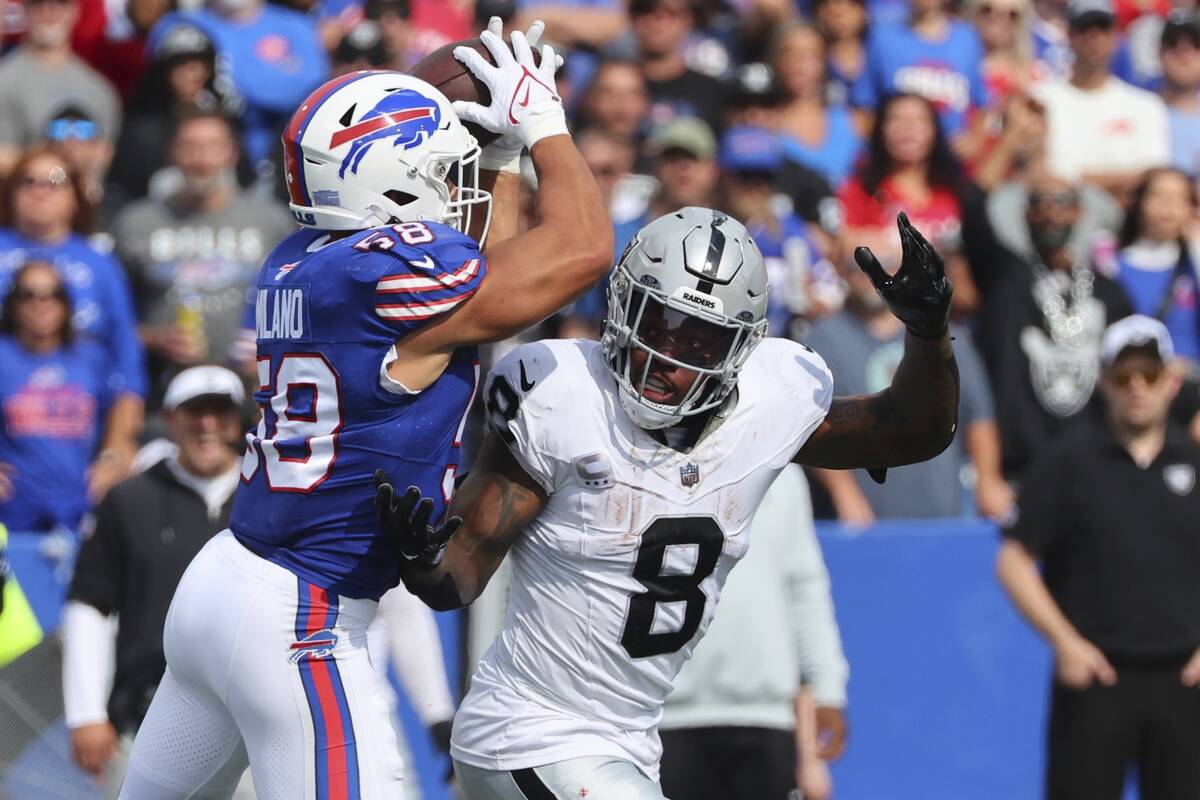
74	134
46	215
42	74
55	390
1111	513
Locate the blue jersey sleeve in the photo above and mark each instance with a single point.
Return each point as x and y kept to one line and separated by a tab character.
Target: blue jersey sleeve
122	333
426	270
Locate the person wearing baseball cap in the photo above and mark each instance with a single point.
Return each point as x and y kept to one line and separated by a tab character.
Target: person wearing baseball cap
147	531
1112	512
1100	129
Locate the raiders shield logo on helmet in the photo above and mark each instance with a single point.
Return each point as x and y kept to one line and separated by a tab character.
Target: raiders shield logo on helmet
1180	478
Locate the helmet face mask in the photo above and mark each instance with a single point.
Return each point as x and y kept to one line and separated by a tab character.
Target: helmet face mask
378	147
659	321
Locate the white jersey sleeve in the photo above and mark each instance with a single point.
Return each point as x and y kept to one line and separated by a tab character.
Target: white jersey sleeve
525	394
799	391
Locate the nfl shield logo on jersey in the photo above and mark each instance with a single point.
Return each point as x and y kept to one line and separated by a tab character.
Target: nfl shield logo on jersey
689	474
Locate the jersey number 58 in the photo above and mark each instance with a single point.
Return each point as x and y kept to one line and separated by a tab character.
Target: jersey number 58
297	435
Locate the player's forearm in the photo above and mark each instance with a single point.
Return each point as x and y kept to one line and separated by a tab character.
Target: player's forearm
923	401
574	227
1018	573
505	188
435	587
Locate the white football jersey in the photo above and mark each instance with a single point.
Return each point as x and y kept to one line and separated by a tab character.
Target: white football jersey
617	578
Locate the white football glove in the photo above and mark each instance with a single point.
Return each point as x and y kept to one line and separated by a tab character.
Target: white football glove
524	101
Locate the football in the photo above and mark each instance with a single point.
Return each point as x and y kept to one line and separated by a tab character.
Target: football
448	75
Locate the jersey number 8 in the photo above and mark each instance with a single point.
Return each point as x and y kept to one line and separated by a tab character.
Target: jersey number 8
639	638
297	435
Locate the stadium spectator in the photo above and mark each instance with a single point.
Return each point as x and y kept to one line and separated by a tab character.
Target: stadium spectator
1051	46
147	531
1101	130
616	101
932	55
843	24
1014	145
1155	266
392	17
660	28
1008	65
362	47
802	282
1111	512
75	135
729	728
55	394
587	25
818	135
611	158
43	75
47	216
683	156
1181	89
1039	332
274	56
909	167
182	74
862	346
111	38
192	257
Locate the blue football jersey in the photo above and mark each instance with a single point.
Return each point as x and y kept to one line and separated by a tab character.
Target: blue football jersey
326	316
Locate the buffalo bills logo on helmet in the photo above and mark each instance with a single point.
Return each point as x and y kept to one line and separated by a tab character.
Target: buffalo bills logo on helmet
317	645
407	116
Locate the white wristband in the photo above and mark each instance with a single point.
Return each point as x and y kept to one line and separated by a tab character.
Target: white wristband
549	125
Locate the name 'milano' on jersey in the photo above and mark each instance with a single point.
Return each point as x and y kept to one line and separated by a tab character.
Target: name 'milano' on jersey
327	315
617	578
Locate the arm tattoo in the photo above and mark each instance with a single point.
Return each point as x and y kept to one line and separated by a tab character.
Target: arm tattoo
496	502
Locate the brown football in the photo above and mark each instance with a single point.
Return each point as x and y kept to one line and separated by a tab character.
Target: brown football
448	75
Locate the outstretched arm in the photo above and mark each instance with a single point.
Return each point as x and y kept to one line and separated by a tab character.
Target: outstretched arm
914	419
449	567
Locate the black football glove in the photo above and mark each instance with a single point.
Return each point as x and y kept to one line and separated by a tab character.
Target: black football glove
919	293
407	519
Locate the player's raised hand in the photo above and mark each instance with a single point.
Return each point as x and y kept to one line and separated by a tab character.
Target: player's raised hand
524	99
407	519
919	293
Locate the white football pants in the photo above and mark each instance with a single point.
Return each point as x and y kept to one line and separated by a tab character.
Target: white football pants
265	666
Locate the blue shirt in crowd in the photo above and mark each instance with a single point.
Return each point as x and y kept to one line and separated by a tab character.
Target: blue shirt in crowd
275	59
100	297
946	72
792	258
1148	273
53	407
1185	140
834	157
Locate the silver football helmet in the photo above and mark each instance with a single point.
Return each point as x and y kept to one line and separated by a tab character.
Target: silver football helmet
689	291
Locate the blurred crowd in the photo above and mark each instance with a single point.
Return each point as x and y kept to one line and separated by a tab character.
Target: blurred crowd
1049	148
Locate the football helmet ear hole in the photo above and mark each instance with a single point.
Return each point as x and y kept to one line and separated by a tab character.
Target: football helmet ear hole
400	198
